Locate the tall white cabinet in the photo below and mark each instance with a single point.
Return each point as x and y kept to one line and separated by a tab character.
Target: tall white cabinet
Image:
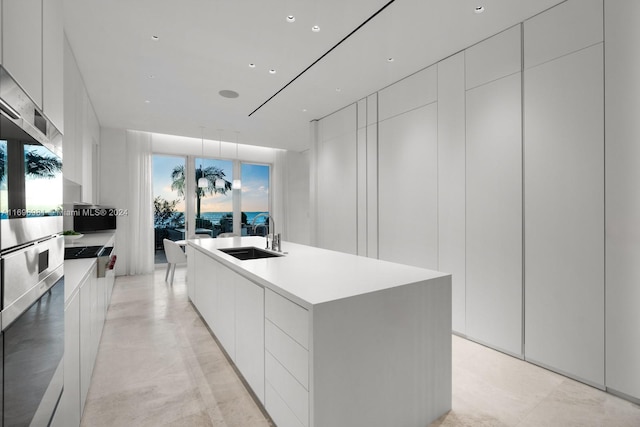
31	49
408	171
451	182
536	202
22	44
407	182
622	130
494	192
336	194
564	191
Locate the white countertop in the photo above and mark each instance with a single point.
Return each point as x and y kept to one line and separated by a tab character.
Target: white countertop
311	275
102	238
75	270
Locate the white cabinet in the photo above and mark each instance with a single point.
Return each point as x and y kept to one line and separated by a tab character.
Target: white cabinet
191	272
82	131
233	307
451	184
409	93
68	412
22	44
408	188
494	214
206	287
224	323
566	28
622	175
492	59
564	214
249	333
286	352
53	62
336	225
87	352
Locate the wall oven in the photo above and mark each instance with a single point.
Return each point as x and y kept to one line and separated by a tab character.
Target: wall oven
31	261
30	169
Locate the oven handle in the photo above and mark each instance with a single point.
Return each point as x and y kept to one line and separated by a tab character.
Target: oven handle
12	312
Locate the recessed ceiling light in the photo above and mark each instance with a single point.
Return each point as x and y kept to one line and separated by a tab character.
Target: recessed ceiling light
155	38
304	110
147	102
228	93
272	71
315	29
252	65
152	76
291	18
390	59
338	89
479	9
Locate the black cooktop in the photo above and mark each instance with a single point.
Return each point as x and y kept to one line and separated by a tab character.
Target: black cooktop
83	252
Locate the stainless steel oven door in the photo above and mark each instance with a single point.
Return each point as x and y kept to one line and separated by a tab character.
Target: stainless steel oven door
33	361
32	322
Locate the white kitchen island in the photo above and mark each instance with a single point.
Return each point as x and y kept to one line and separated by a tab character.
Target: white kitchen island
327	339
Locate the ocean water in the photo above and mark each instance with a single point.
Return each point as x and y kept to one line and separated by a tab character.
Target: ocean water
214	217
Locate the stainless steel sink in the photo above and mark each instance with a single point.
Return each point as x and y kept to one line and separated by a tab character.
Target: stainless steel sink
249	253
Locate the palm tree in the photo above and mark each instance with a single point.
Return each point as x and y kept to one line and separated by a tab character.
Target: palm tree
211	173
36	164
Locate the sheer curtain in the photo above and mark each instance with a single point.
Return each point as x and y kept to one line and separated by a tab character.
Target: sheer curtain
140	236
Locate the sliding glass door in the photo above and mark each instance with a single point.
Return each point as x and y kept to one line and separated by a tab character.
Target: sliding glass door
196	197
169	209
255	198
214	197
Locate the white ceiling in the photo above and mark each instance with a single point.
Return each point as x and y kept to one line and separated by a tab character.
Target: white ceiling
206	46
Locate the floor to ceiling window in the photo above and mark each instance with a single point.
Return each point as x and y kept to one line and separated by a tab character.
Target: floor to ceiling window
254	198
168	201
215	203
214	196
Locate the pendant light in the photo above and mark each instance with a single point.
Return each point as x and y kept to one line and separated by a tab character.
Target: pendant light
202	181
219	184
237	184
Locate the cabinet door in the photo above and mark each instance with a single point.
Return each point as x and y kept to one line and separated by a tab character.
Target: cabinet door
71	396
494	214
224	326
206	289
22	44
86	353
52	61
250	333
565	214
408	188
191	272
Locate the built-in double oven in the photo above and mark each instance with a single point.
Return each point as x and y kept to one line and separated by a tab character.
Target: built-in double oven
31	261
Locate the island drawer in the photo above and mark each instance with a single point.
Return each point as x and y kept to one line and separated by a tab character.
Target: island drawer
288	316
288	352
279	411
283	389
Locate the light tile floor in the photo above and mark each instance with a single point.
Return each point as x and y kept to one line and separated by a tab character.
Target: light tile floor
157	365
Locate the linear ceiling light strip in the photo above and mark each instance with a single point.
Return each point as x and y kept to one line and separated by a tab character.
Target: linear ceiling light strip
325	54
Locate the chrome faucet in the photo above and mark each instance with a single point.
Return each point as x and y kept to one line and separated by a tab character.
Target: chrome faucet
275	242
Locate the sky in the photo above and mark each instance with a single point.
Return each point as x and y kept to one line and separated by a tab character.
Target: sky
255	184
